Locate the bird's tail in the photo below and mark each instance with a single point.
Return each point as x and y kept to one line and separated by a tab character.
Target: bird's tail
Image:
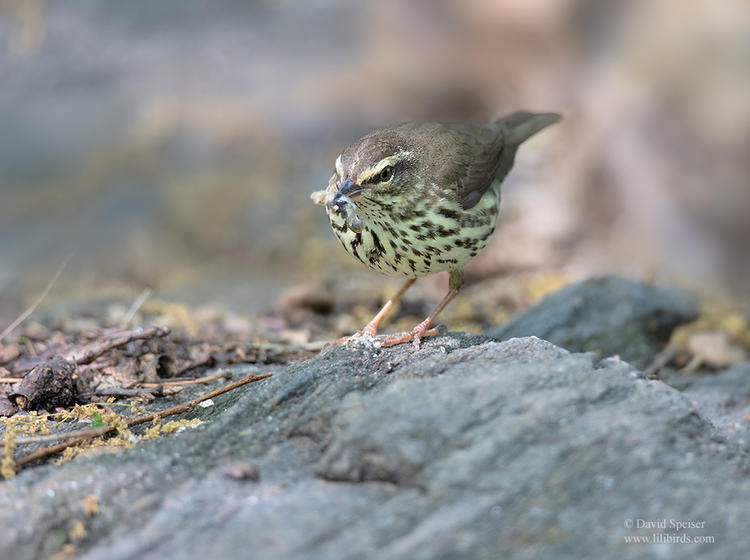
517	128
522	125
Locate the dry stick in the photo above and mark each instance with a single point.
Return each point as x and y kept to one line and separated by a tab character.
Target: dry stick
84	354
118	392
75	438
142	387
23	316
97	364
91	352
79	434
198	363
10	379
173	382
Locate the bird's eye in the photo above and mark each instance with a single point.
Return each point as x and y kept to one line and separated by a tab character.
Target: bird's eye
385	174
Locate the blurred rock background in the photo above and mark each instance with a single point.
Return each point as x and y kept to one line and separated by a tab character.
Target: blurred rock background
173	145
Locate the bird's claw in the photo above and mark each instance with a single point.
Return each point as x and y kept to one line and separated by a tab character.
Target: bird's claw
415	335
384	340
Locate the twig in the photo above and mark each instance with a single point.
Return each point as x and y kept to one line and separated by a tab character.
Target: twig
154	389
117	392
78	434
204	361
90	352
10	379
139	301
222	375
97	364
74	438
188	406
84	354
23	316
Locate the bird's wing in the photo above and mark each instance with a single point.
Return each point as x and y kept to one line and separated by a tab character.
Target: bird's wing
471	158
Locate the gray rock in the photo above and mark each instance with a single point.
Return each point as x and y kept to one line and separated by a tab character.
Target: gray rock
722	398
609	316
466	448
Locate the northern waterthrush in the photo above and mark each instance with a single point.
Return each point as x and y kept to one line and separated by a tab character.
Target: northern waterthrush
419	198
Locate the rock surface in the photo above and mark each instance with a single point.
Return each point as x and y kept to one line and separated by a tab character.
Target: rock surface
723	398
466	448
610	315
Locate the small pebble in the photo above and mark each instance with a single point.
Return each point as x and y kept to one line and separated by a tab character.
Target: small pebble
241	470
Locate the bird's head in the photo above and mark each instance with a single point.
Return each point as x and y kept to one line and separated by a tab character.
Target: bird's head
376	168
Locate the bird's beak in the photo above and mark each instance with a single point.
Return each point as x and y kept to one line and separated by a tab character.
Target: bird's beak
350	188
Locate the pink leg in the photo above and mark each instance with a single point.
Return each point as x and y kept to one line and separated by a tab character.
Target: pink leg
421	330
371	329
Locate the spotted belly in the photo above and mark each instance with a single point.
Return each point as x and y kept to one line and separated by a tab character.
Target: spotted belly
422	241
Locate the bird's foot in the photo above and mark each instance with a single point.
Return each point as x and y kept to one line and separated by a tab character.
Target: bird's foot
366	335
415	335
369	338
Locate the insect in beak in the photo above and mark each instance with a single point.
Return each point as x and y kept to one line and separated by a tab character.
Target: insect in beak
350	188
348	209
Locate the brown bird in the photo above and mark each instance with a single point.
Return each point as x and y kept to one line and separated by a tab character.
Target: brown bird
419	198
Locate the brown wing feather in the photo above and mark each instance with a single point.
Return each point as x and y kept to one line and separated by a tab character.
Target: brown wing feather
471	157
486	153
